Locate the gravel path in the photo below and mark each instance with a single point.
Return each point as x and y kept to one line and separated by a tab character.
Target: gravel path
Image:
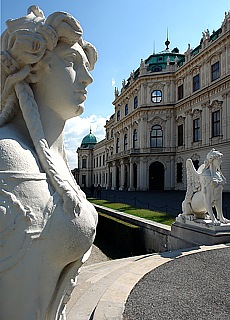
194	287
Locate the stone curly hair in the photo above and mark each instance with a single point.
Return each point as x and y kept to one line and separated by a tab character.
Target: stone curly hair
25	42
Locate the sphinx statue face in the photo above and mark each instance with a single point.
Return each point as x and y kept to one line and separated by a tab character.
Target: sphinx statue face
63	80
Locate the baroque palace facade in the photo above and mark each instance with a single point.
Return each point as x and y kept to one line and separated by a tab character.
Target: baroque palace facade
173	107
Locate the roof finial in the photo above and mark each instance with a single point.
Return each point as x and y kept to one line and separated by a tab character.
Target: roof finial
154	51
167	42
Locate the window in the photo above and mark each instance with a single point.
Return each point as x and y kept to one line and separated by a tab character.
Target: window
180	92
112	133
156	138
103	159
107	135
135	102
97	162
135	138
83	179
216	123
179	173
215	71
118	115
126	109
100	161
196	130
196	82
156	96
156	68
83	163
180	137
117	145
125	141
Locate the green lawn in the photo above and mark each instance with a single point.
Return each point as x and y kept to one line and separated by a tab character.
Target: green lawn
142	213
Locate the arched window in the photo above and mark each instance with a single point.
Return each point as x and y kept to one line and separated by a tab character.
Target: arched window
135	102
156	96
84	163
125	141
135	138
126	109
156	137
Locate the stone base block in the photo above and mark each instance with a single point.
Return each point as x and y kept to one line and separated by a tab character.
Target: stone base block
201	232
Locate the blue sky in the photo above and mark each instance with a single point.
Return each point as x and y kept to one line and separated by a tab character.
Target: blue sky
124	32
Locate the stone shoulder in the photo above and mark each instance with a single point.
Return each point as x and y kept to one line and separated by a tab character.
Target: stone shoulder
16	154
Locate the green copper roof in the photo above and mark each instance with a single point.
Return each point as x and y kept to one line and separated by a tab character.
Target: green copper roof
157	62
89	141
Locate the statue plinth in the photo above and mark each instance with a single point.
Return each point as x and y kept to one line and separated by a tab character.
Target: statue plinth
200	231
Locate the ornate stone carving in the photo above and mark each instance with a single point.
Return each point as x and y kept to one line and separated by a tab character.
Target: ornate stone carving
196	113
216	105
180	120
204	191
180	81
226	22
47	225
195	71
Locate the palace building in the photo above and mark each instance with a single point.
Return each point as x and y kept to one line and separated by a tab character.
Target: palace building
173	107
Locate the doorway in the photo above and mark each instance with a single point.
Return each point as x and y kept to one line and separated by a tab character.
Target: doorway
156	176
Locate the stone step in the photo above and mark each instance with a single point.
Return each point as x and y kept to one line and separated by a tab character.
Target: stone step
93	282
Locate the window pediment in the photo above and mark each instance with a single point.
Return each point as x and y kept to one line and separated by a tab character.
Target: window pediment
180	120
195	71
157	120
180	82
156	85
216	105
196	113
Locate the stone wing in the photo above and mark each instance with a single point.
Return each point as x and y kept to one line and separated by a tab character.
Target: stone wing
193	178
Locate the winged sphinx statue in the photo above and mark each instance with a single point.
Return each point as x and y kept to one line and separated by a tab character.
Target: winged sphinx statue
204	190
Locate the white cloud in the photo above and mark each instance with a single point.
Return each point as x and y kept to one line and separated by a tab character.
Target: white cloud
76	129
113	82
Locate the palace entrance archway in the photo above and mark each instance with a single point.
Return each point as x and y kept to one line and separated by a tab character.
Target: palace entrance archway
156	176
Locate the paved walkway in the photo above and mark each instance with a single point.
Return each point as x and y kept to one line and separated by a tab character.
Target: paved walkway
172	285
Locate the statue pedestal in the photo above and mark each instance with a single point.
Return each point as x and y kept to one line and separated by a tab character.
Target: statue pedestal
200	231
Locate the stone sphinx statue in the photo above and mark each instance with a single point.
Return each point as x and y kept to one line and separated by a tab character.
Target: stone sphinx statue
47	226
204	190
